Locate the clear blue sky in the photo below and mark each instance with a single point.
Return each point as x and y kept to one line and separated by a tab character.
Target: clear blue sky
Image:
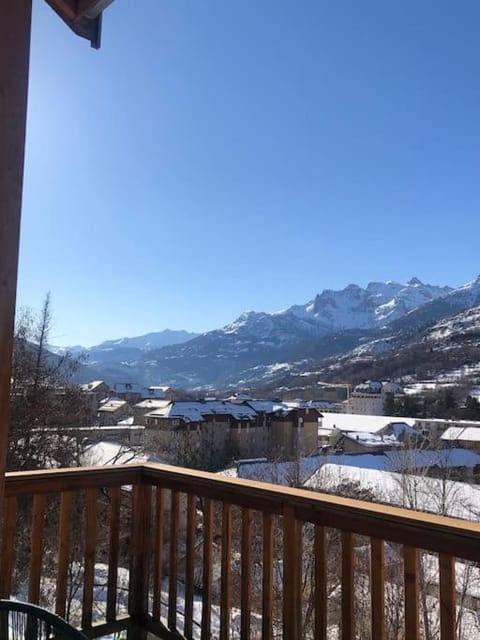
220	156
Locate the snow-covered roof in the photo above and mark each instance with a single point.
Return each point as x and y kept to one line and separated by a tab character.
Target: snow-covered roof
322	431
288	473
188	411
224	407
360	422
457	499
91	386
195	411
299	471
400	459
152	403
468	434
369	386
400	428
110	405
371	439
323	404
267	406
104	453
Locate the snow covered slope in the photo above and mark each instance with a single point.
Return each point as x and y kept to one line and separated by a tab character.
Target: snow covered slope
375	306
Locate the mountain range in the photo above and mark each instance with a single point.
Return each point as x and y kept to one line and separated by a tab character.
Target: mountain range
354	324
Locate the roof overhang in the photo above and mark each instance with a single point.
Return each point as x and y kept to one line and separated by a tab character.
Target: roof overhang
84	17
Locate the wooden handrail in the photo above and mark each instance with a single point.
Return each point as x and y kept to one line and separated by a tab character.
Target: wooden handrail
19	483
431	532
161	517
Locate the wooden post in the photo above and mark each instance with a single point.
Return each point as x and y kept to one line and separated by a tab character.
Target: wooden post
15	20
139	575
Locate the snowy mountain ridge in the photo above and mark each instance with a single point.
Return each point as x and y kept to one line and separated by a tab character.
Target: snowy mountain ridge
334	328
353	307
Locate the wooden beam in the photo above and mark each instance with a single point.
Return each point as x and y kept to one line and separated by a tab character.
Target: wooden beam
78	18
65	8
15	21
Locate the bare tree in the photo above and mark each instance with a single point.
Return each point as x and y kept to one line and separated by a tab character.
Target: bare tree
45	402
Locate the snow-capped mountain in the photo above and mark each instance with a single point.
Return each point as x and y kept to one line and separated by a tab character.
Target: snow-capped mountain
155	340
464	297
148	341
461	327
375	306
354	323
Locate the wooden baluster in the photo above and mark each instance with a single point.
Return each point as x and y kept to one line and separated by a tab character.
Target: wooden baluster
320	550
410	568
226	577
8	552
377	588
173	561
113	553
36	545
292	557
158	554
64	529
246	578
348	593
89	570
447	597
207	569
190	564
140	564
267	595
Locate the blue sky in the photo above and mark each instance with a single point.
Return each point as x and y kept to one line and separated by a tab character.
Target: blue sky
220	156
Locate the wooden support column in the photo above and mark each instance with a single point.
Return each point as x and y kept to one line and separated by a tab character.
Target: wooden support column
15	21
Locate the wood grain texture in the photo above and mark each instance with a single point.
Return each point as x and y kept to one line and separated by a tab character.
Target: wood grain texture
15	22
63	553
158	553
140	562
267	586
8	548
377	588
226	572
89	556
113	552
292	557
246	582
190	564
36	547
320	586
173	561
207	569
447	597
348	587
412	592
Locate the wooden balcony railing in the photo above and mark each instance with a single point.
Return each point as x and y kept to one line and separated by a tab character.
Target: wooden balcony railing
182	553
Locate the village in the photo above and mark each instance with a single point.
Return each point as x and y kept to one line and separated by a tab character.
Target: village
216	433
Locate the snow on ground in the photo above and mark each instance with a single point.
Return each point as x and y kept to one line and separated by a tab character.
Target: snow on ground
359	422
100	603
105	453
297	472
446	497
420	387
294	472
